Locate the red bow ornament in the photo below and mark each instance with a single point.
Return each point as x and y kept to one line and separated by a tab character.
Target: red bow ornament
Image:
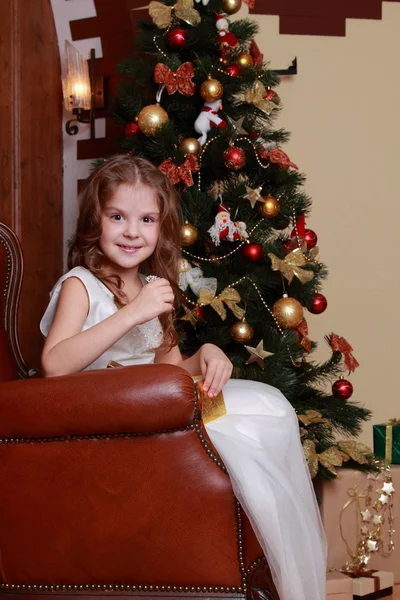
278	156
339	344
179	80
256	54
304	340
183	172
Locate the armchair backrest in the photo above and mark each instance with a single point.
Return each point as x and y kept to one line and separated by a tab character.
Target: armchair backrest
12	364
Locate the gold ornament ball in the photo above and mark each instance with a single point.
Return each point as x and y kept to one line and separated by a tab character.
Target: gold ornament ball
288	312
190	146
242	332
151	118
230	7
211	90
269	208
244	60
189	234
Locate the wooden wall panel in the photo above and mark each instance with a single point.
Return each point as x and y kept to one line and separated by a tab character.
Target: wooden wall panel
115	24
313	17
31	154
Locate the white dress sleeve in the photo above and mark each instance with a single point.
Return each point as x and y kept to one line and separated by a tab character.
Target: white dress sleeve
90	283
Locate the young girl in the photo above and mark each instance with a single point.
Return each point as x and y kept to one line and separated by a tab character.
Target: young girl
103	309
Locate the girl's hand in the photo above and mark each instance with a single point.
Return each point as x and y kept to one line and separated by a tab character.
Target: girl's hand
216	369
153	300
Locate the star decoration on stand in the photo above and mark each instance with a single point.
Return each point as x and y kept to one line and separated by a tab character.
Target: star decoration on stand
383	499
366	515
253	196
372	545
377	519
388	488
258	354
365	530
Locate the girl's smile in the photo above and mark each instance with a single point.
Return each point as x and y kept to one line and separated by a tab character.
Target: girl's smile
129	249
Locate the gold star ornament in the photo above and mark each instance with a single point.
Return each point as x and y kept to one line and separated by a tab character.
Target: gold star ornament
253	196
258	354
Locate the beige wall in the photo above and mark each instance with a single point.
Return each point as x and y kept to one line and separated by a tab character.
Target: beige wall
342	109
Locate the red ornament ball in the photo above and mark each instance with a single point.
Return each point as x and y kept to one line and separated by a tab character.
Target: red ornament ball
234	158
287	246
298	242
318	304
342	389
233	70
199	312
253	251
177	38
311	238
132	129
272	96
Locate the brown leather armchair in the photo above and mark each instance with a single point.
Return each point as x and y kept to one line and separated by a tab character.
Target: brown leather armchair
109	485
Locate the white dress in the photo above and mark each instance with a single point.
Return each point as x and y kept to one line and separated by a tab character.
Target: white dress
258	440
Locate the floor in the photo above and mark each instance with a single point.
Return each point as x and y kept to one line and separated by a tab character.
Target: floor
396	594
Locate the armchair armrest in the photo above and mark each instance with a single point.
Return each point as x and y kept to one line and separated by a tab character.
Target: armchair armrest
138	399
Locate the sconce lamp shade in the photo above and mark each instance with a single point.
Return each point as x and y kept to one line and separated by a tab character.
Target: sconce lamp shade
76	83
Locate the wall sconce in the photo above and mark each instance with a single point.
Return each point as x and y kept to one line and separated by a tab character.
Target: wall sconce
83	92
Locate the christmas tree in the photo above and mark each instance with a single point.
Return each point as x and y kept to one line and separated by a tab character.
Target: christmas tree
198	100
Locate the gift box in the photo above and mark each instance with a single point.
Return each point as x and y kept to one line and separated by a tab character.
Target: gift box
334	495
387	441
377	584
338	587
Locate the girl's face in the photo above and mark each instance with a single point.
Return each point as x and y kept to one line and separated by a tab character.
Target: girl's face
130	225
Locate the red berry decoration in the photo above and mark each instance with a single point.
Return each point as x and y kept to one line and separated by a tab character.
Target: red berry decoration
311	238
132	129
318	304
177	38
233	70
234	158
342	389
253	251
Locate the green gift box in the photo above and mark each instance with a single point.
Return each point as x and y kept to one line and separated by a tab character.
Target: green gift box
387	441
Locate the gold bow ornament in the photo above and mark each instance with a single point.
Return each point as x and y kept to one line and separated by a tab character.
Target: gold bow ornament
228	296
291	265
183	9
256	95
330	458
335	456
356	451
312	417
